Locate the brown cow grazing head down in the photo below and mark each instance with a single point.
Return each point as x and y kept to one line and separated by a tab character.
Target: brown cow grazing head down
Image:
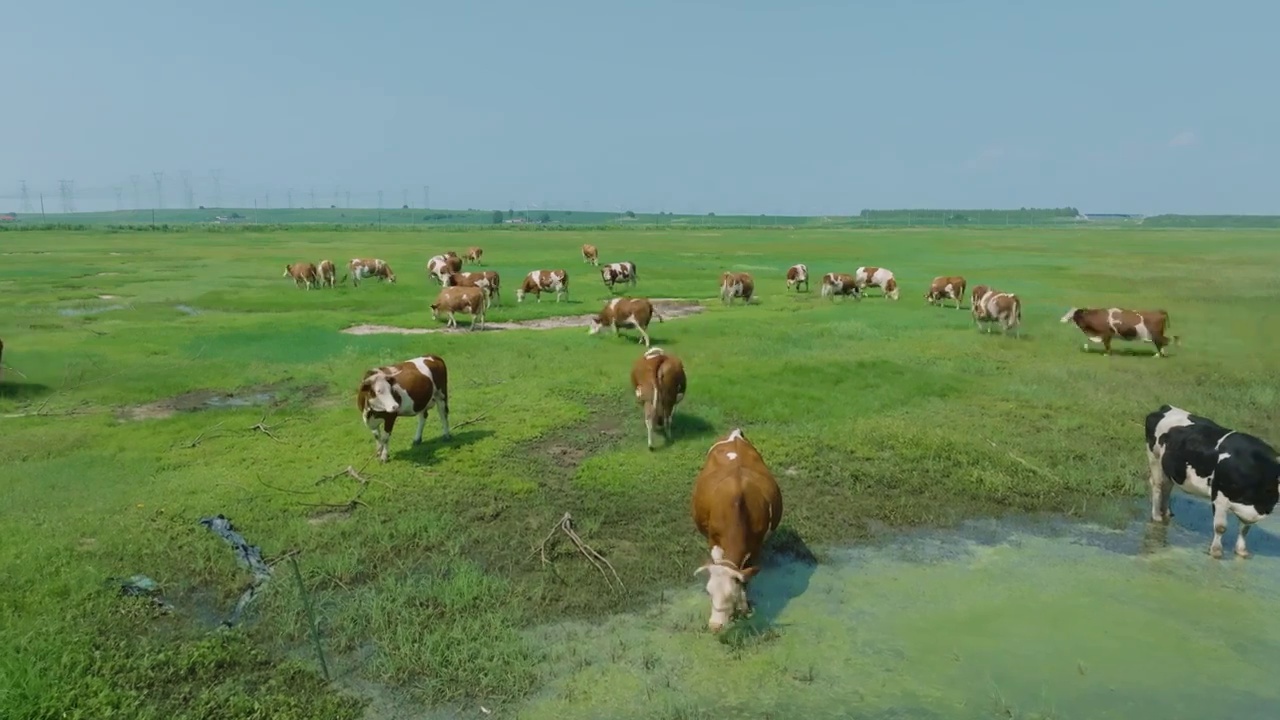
619	272
796	275
877	277
736	506
945	287
736	284
840	284
303	273
988	305
461	298
370	267
328	273
540	281
1102	325
625	312
1	359
486	280
407	388
473	254
590	254
659	382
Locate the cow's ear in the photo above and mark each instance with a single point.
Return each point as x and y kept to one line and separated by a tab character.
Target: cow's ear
747	574
704	568
369	373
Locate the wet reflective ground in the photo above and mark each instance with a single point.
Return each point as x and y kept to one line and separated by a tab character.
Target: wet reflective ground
999	619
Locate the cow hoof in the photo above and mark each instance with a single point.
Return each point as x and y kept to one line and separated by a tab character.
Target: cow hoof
1215	553
1243	554
417	441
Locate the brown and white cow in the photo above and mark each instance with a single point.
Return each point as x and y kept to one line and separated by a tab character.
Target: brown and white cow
625	312
1102	325
796	275
303	273
465	299
590	254
946	287
407	388
619	272
327	272
736	284
988	305
486	280
473	254
1	359
737	504
877	277
659	382
440	265
840	284
540	281
370	267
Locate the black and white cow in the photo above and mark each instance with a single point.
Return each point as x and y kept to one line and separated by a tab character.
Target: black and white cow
1235	471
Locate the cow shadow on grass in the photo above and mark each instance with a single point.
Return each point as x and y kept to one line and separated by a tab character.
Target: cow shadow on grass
785	572
1192	528
19	390
425	453
684	427
1130	351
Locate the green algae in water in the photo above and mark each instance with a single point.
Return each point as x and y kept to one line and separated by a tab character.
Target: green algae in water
983	623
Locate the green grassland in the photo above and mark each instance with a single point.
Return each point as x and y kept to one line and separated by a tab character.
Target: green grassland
874	415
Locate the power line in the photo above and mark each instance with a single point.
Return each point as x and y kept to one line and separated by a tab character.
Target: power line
159	178
137	194
26	198
68	195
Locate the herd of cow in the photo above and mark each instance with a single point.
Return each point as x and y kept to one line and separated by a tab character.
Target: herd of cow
736	501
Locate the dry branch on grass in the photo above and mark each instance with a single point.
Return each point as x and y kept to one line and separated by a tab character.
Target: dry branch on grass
350	505
12	369
565	526
260	426
1026	464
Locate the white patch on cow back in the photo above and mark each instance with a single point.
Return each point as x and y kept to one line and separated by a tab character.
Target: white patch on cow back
1221	440
654	352
731	455
421	364
1175	417
613	304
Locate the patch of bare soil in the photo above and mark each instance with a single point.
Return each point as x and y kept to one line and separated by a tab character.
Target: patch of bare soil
205	399
668	308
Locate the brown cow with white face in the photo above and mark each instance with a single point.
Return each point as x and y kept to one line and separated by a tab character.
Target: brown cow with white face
540	281
625	312
1102	325
840	284
590	254
737	504
370	267
303	273
796	275
466	299
619	272
945	287
736	284
659	382
408	388
440	265
988	305
328	273
473	254
486	280
877	277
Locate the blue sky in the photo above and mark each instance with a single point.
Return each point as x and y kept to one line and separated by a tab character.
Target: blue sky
686	106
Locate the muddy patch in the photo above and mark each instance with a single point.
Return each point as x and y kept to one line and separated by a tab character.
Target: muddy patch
81	311
669	309
205	399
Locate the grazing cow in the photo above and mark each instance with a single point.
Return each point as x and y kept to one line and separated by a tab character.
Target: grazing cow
734	285
328	273
473	254
619	272
877	277
408	388
840	284
590	254
1	359
625	312
540	281
1103	325
797	274
486	280
464	298
370	267
659	382
989	306
440	265
946	287
1234	471
303	273
736	506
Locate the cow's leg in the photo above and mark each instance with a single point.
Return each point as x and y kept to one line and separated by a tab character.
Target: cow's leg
1241	550
442	409
1161	487
1219	526
649	413
453	322
422	422
644	335
1161	342
1106	345
384	439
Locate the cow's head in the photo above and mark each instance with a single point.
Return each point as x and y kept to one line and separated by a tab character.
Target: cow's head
1071	315
378	387
597	324
727	587
287	270
391	277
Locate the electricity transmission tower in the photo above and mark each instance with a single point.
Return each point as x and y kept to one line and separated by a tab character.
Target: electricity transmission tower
26	198
137	194
348	199
68	195
188	195
119	189
289	198
159	178
313	196
426	197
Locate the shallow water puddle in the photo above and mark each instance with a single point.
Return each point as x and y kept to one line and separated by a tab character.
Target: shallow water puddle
1071	621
